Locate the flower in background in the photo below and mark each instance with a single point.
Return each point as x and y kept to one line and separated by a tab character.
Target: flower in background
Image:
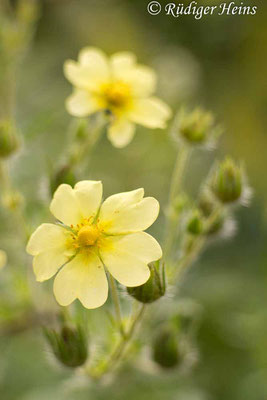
92	237
3	259
119	86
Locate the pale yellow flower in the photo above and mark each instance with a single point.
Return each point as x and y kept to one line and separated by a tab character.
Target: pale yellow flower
94	237
3	259
119	86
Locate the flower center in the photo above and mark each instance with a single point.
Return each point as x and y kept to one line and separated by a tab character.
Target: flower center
88	235
117	94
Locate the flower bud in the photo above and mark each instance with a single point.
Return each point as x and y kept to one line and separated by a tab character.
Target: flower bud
153	289
69	345
64	174
197	127
165	348
207	205
9	141
195	223
227	182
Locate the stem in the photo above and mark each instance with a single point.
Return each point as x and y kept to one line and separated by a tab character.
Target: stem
116	301
84	147
119	350
196	246
175	188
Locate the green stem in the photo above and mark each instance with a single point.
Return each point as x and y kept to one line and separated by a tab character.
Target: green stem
84	147
196	246
120	349
175	188
116	301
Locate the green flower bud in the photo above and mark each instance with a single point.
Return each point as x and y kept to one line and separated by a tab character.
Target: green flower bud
153	289
64	174
227	182
207	205
197	127
195	223
165	348
9	141
69	345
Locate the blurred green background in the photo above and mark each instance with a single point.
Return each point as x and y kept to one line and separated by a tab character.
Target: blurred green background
219	63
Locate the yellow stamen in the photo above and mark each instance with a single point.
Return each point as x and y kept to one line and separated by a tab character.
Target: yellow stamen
117	94
88	235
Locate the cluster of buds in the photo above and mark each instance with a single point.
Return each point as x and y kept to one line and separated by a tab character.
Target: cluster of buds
154	288
69	344
226	186
196	127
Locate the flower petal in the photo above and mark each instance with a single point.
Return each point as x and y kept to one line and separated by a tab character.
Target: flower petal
81	103
121	132
96	59
151	112
116	202
120	62
89	196
142	79
47	237
126	257
46	264
71	206
82	278
90	71
119	215
65	206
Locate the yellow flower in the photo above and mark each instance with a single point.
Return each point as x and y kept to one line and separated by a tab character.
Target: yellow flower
117	85
94	237
3	259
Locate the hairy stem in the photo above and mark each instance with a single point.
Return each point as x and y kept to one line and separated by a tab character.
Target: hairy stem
120	348
196	246
84	147
116	301
175	188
